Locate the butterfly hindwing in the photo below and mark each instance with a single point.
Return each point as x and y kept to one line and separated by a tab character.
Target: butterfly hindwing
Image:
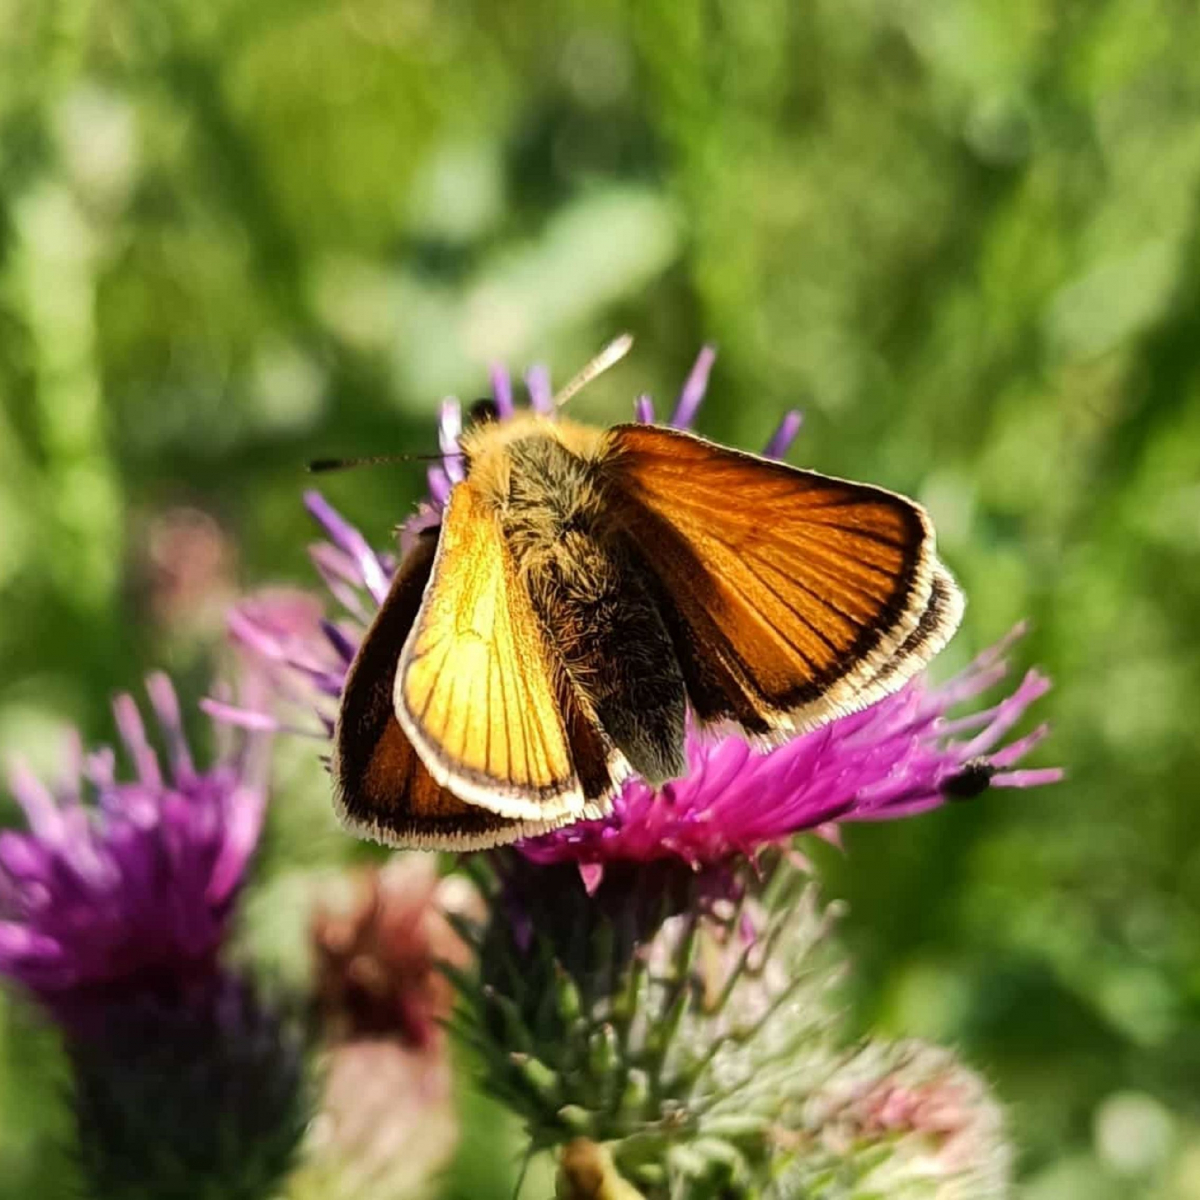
937	622
382	789
792	597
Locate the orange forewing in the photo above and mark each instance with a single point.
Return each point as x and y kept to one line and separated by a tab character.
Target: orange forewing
791	596
382	789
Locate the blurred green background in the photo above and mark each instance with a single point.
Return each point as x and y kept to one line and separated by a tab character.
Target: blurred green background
962	235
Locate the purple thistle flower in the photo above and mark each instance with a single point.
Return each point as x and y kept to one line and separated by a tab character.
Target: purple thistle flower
901	756
126	887
896	758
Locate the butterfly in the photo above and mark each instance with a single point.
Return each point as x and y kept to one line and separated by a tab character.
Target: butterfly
585	589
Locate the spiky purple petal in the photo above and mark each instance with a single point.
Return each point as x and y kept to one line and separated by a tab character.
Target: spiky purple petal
541	395
449	431
502	392
693	389
347	538
783	437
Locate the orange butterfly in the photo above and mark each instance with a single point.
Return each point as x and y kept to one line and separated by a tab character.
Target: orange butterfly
585	588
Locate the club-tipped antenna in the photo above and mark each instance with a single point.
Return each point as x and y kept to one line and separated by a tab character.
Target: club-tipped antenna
608	357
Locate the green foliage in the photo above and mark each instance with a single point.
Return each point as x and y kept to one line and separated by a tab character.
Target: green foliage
964	236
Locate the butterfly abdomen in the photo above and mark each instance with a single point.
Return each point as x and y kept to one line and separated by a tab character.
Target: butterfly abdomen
587	587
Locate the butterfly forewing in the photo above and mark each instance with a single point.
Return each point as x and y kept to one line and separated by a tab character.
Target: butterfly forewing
476	690
382	789
792	597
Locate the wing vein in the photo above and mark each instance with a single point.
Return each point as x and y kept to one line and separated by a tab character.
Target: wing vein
804	620
783	634
476	697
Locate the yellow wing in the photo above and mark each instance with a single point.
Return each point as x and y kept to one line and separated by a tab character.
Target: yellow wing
477	692
381	788
792	597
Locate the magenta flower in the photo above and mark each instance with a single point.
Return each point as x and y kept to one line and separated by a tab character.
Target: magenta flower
126	887
900	756
896	758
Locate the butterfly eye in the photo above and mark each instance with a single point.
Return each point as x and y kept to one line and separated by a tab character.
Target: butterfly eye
483	411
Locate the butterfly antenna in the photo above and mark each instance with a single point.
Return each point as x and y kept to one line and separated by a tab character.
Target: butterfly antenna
319	466
609	356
